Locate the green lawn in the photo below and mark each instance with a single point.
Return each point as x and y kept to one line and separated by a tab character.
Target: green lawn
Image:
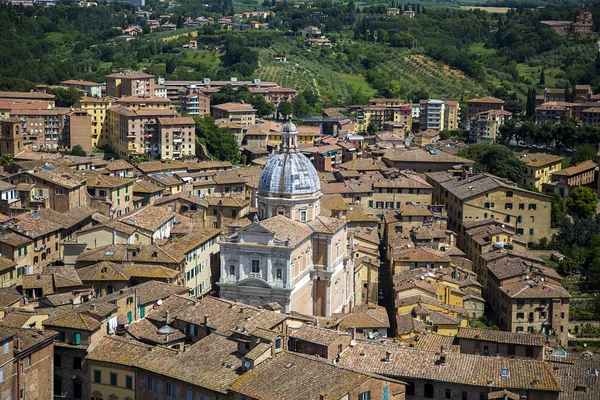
358	82
480	49
201	56
533	74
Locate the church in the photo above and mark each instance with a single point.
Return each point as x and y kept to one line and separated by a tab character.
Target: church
290	254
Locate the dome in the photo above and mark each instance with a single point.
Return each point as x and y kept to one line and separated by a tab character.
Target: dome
289	173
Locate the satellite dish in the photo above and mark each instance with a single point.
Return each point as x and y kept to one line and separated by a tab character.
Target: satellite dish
247	364
159	302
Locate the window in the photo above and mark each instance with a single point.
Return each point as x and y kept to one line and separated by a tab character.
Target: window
508	206
447	394
77	389
428	391
531	231
410	388
62	336
519	231
364	396
97	376
142	312
486	350
521	206
129	317
303	216
278	343
529	351
520	315
57	386
255	269
189	395
519	329
379	204
57	360
509	194
170	390
113	379
1	376
77	363
231	270
532	207
76	338
370	203
464	395
58	192
6	347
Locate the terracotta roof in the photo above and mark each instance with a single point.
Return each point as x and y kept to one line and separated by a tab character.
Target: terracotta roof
148	332
421	155
80	82
149	218
364	316
578	377
363	164
225	315
407	324
146	187
114	225
235	107
150	271
146	254
486	99
211	363
74	320
576	169
291	376
531	289
8	299
117	165
434	342
320	336
152	291
14	239
488	335
118	350
103	271
174	304
179	247
327	225
537	160
68	218
462	369
34	226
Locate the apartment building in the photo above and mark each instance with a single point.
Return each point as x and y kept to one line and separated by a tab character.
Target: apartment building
200	250
143	102
421	160
114	192
380	113
97	108
485	126
91	89
239	113
438	115
553	112
177	137
37	95
129	83
193	102
540	167
426	137
483	196
481	104
487	342
564	181
527	297
136	132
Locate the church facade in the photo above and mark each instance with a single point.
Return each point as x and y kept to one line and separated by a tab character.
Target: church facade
290	254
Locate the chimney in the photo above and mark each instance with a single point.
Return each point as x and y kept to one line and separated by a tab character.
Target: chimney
18	344
206	320
388	356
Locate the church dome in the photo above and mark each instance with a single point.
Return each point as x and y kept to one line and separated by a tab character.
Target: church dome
289	171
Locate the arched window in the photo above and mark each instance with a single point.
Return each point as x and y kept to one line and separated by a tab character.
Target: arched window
428	391
232	270
279	273
410	388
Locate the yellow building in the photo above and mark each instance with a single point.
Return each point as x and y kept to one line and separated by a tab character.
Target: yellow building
110	366
200	252
97	109
482	196
540	167
451	110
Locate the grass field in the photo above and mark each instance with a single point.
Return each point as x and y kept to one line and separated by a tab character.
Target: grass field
209	59
499	10
358	82
480	49
532	74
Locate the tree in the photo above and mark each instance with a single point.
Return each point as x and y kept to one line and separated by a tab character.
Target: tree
65	97
584	152
582	202
285	109
6	159
262	106
530	108
300	106
496	159
78	151
542	77
171	65
220	142
558	210
136	160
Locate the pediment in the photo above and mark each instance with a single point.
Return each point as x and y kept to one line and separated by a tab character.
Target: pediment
253	282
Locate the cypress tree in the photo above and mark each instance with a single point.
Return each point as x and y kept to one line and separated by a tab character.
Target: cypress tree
542	77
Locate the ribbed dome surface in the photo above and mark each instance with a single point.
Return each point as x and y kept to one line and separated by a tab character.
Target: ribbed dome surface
289	173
